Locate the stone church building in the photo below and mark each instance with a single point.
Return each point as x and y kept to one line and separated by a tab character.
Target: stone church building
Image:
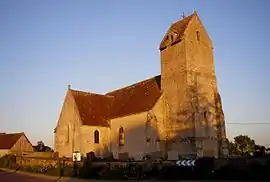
177	113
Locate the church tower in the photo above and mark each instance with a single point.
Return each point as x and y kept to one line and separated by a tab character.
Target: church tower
189	86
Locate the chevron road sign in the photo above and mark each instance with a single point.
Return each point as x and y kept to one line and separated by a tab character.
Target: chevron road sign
185	163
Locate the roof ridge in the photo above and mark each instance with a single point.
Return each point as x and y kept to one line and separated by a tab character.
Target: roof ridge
133	85
179	28
13	133
185	18
89	93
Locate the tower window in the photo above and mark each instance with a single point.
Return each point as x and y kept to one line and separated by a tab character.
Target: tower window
171	40
96	136
198	35
205	115
121	136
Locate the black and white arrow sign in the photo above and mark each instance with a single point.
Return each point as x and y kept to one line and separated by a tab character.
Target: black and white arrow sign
185	163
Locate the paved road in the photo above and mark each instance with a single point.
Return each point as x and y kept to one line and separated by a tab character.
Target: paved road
14	177
10	176
18	177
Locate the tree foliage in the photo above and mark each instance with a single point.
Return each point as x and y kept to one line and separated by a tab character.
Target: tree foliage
242	145
41	147
260	150
233	149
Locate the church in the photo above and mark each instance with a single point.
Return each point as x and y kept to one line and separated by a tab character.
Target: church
174	114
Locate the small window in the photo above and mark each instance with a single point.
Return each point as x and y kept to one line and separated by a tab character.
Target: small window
121	136
205	115
67	139
171	40
167	38
198	35
96	136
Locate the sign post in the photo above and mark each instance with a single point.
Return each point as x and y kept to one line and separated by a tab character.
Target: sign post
76	158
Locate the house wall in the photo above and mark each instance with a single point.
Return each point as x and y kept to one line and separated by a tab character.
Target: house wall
168	131
135	136
67	134
88	145
173	76
3	152
22	145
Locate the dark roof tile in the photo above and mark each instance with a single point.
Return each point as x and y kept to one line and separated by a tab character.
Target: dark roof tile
139	97
97	110
94	109
8	140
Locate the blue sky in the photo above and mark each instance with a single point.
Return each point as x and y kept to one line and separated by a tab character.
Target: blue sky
99	46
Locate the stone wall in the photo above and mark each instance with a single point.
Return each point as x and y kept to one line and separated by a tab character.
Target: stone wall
102	148
201	75
135	135
40	154
189	86
68	129
36	161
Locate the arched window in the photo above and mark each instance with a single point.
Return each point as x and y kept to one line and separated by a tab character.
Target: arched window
96	136
121	136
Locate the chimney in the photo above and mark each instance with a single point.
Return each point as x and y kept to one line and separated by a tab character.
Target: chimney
69	86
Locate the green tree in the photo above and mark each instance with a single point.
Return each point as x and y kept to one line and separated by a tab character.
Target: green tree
244	145
41	147
232	148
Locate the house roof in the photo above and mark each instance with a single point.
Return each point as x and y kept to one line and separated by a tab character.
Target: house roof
8	140
97	110
178	28
136	98
94	109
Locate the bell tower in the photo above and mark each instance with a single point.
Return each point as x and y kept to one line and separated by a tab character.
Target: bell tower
189	85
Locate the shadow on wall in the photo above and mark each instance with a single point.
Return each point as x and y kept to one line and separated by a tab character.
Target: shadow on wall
193	131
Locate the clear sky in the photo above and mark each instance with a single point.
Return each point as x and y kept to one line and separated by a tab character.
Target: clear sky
98	46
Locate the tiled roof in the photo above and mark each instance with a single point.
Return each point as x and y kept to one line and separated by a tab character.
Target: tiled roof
8	140
96	109
177	28
136	98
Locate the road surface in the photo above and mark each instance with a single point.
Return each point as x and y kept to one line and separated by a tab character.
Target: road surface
12	176
6	176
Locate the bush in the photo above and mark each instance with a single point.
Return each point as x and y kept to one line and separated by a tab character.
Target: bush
41	169
149	170
257	171
88	170
175	173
